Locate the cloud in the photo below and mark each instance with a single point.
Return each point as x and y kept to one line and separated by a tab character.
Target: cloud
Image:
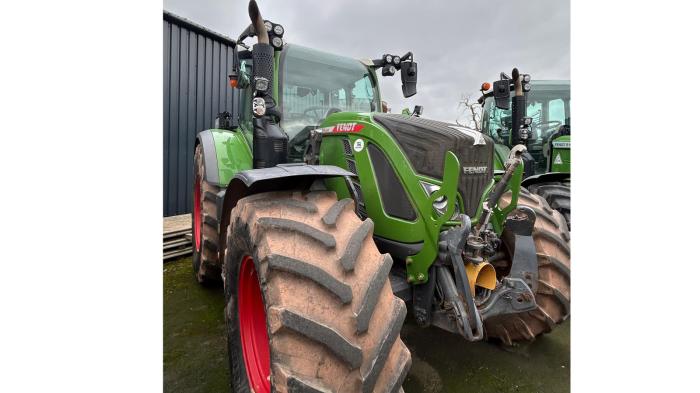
457	44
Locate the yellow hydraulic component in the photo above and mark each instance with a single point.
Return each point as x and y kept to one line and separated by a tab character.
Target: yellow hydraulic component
483	275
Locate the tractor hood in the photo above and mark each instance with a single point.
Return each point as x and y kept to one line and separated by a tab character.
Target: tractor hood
425	143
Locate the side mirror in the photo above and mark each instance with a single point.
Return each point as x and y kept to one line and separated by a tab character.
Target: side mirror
417	111
501	94
409	78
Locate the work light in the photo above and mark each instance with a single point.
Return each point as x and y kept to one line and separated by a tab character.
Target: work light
388	70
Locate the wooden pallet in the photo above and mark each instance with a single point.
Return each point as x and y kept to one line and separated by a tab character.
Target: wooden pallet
177	237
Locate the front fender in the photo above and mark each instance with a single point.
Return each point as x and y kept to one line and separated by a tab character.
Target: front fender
281	177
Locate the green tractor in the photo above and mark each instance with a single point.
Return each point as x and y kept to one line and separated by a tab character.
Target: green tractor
328	219
540	119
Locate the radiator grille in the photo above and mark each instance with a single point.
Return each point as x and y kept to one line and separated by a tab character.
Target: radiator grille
351	166
346	147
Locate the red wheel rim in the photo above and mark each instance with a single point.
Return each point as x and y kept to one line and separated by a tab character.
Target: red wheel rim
197	213
253	327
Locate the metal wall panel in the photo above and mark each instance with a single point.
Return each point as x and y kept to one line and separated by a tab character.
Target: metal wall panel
196	63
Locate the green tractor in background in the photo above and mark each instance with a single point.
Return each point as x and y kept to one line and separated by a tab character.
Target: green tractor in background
543	124
327	219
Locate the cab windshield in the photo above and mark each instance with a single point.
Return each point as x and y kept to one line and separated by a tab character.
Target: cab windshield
315	84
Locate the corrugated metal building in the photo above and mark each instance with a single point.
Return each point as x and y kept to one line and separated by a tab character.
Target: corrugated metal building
196	63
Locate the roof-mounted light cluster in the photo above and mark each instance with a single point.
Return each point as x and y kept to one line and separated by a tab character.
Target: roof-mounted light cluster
389	63
275	32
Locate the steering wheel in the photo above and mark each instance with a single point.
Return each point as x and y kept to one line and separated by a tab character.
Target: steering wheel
318	113
548	127
315	112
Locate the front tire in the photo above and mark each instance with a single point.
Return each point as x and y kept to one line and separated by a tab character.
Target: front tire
331	321
551	236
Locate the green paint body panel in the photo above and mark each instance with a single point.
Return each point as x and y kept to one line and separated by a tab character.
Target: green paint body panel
500	155
561	154
428	224
233	154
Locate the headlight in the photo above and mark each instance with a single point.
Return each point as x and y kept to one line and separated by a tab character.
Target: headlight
526	87
258	106
276	42
526	78
388	59
268	26
524	133
397	60
261	84
279	30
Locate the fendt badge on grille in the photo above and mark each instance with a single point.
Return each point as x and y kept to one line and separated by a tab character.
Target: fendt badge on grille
474	170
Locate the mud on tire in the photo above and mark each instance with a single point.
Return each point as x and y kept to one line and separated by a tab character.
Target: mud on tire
333	322
551	236
205	259
557	195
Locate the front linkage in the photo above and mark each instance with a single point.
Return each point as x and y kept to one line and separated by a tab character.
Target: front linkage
467	248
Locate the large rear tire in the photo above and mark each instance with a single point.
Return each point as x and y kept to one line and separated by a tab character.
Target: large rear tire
326	319
205	225
557	195
552	296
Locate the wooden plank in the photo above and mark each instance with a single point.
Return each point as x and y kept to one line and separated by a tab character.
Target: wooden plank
180	233
176	243
177	223
178	253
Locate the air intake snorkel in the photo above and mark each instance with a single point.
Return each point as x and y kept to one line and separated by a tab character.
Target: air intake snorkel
269	141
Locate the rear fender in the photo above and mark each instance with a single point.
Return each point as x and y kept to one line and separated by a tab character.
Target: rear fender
226	153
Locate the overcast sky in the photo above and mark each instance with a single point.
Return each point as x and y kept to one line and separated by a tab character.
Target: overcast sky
481	38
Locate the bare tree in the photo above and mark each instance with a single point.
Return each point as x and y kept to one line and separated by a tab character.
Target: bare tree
471	113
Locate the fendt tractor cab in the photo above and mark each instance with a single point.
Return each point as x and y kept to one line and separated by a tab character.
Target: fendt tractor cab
327	219
543	125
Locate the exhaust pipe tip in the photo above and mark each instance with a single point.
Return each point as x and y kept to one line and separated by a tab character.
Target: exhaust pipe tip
258	22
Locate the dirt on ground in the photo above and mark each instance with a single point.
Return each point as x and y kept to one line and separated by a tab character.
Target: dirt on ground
195	358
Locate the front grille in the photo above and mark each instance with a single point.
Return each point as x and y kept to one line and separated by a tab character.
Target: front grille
351	166
360	201
425	143
346	147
